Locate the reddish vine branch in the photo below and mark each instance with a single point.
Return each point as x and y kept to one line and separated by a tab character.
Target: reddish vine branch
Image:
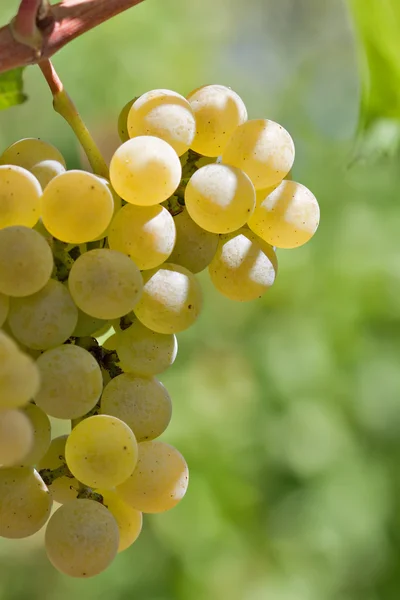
65	22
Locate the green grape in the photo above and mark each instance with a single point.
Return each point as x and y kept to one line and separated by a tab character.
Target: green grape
144	351
220	198
145	171
63	489
20	194
263	149
101	451
26	261
40	423
46	170
87	325
244	267
111	342
194	247
123	121
105	284
117	207
25	502
27	153
143	403
16	437
171	299
159	481
82	538
288	217
77	207
129	520
166	115
4	306
71	382
45	319
103	330
218	111
19	375
145	233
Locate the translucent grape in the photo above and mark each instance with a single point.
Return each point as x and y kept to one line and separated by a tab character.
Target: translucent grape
41	426
123	121
46	170
218	111
145	171
220	198
20	194
288	217
101	451
19	375
111	342
16	437
26	261
25	502
117	207
143	403
71	382
87	325
244	267
29	152
129	520
159	481
45	319
105	284
77	207
166	115
263	149
194	247
145	233
171	300
262	194
82	538
63	489
4	306
144	351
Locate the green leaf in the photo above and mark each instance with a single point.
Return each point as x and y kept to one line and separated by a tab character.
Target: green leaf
11	88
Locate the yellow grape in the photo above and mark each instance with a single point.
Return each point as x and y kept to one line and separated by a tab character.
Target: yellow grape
288	217
143	403
105	284
145	233
29	152
129	520
244	267
77	207
63	489
263	149
145	171
45	319
71	382
218	111
194	247
46	170
123	121
16	437
117	204
40	423
220	198
159	481
82	538
20	194
87	325
19	375
4	306
262	194
101	451
166	115
26	261
25	502
111	342
171	299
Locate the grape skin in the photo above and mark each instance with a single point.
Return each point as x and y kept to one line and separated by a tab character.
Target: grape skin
123	121
20	194
129	520
4	307
19	375
41	426
194	247
16	437
29	152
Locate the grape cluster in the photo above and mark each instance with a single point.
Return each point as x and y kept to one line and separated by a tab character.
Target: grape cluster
85	260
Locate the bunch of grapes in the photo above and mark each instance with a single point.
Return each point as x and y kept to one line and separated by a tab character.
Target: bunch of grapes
85	260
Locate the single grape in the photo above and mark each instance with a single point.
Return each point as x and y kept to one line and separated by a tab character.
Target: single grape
145	171
4	307
25	502
129	520
101	451
117	207
111	342
105	284
19	375
288	217
77	207
26	261
123	121
71	382
46	170
87	325
263	149
82	538
171	299
63	489
45	319
244	267
41	426
145	233
20	194
159	481
166	115
27	153
218	111
194	247
16	437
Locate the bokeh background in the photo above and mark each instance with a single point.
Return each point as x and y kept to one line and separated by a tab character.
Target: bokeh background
287	409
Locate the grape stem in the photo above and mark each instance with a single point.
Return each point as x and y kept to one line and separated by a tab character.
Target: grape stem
50	475
32	17
66	108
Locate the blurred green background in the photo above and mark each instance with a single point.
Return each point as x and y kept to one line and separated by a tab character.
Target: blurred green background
287	409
